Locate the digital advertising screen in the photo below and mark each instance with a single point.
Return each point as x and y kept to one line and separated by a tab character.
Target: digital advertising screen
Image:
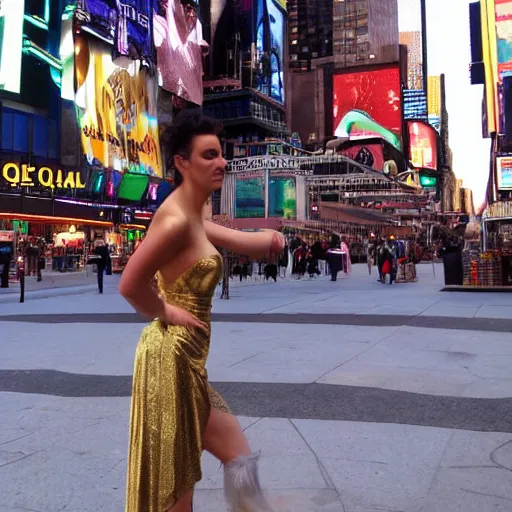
250	195
99	18
282	197
270	30
371	155
117	111
369	104
503	18
178	37
504	167
422	145
12	14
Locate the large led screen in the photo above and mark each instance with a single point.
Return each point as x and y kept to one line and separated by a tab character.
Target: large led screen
368	104
422	145
250	195
117	111
503	13
11	42
178	37
270	29
282	197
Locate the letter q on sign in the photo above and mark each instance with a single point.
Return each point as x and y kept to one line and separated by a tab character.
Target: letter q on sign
12	174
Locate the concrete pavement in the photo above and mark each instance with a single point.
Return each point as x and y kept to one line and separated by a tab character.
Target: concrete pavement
404	405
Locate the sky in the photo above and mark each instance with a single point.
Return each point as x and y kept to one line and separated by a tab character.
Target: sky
449	52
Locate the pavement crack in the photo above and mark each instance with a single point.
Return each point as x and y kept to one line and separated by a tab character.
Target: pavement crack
323	471
246	359
86	427
485	494
356	356
279	307
16	439
20	459
492	456
252	424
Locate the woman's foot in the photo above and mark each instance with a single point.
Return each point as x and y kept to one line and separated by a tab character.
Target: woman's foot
242	485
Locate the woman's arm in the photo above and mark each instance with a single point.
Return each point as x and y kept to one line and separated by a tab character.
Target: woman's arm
166	237
257	244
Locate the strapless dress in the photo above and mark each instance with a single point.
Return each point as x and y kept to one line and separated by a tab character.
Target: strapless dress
171	396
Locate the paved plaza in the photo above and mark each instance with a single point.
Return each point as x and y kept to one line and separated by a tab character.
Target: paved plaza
361	397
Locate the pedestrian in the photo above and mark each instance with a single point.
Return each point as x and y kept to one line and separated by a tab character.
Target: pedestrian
32	257
102	261
175	413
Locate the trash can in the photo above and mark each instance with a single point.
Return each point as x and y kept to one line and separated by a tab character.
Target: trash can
453	270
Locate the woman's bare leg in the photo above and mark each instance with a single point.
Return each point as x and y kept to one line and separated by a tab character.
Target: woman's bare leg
184	503
224	437
225	440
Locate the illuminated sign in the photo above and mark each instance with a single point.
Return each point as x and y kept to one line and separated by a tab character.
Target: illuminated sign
117	111
11	42
428	181
29	176
504	168
369	104
272	163
422	145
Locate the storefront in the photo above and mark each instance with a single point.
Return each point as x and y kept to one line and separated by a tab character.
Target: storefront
123	242
65	243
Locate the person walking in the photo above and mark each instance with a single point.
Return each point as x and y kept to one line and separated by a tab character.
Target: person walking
102	261
175	413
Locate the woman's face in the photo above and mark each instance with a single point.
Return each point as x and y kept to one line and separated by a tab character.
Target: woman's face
205	166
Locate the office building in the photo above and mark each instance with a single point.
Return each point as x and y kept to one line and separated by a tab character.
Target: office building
365	32
309	32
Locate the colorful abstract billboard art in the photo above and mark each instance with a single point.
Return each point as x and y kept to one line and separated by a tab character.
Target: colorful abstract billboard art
117	111
368	103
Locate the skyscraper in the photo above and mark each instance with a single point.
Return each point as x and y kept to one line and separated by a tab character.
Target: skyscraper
365	32
309	32
412	40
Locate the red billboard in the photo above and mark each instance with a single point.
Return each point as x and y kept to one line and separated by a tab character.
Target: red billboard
368	103
422	145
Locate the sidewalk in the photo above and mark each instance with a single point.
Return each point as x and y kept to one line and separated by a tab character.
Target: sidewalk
52	284
349	418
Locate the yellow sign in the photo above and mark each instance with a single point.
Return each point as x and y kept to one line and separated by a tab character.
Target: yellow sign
29	176
117	111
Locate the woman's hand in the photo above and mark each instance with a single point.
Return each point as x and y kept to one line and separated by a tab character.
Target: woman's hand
277	241
174	315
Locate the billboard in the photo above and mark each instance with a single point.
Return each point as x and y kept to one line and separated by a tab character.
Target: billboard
371	155
250	195
368	104
270	31
117	111
133	36
504	167
282	197
178	37
503	16
422	145
99	18
11	41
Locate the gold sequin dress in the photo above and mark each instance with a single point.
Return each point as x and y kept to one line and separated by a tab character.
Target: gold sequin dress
171	396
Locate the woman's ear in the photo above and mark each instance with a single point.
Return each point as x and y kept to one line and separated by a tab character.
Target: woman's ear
179	162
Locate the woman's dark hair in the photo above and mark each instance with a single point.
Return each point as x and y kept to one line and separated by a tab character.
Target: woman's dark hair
189	123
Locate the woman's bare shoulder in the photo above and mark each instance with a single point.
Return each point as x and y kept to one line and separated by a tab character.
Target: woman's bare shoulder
169	219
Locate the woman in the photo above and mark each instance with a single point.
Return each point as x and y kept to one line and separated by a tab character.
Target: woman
175	414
